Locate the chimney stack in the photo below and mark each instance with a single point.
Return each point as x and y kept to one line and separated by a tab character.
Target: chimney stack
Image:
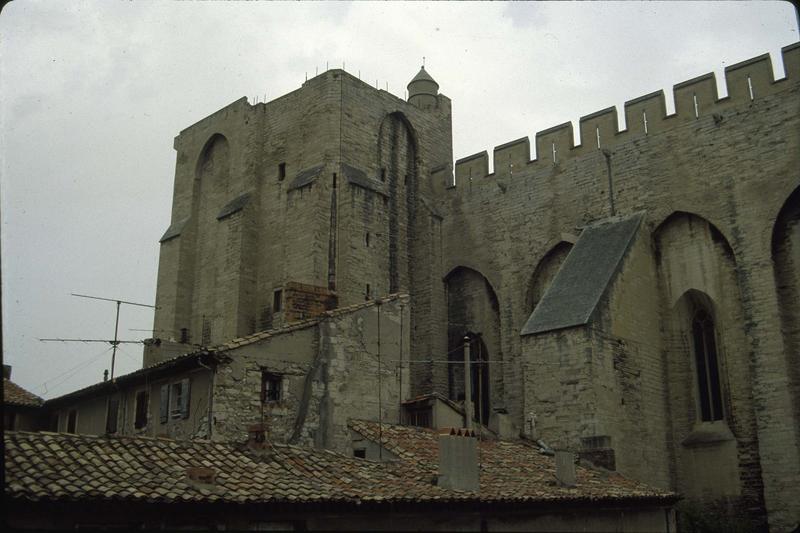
458	460
6	371
257	436
565	468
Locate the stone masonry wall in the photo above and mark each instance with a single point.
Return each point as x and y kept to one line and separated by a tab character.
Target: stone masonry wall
713	163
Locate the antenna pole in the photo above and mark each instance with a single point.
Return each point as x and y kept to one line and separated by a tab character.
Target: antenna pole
114	344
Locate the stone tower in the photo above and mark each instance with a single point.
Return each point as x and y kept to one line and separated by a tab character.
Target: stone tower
287	208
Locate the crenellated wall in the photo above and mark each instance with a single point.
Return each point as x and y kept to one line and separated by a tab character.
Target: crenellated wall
731	161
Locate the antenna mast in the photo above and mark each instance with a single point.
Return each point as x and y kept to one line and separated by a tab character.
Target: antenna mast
114	343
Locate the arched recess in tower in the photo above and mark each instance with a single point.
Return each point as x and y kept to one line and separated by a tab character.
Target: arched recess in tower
212	187
397	168
543	276
786	265
707	363
473	311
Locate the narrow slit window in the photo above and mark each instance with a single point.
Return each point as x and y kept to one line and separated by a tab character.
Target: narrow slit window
554	152
334	180
750	87
281	171
366	239
277	300
644	121
367	292
597	133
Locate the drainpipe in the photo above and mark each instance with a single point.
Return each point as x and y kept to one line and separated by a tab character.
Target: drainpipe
467	385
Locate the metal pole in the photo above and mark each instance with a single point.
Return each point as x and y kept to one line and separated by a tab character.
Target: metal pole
467	385
114	344
400	403
380	406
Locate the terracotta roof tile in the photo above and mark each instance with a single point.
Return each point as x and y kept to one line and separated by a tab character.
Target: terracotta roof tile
13	394
52	466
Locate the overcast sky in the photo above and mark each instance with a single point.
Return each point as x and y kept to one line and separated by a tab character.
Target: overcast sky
93	93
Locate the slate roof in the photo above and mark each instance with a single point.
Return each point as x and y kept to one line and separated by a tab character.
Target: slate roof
63	467
585	275
13	394
423	75
509	470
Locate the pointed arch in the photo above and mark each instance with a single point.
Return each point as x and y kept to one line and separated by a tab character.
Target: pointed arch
785	251
473	311
544	273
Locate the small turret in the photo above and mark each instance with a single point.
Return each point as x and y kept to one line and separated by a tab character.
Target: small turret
423	90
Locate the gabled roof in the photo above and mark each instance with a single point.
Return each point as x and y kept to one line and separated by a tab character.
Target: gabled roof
509	470
13	394
585	275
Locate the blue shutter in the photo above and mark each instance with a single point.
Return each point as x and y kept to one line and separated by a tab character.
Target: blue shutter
184	398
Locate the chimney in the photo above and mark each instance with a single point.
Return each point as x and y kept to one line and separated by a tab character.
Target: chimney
257	436
565	468
6	371
458	460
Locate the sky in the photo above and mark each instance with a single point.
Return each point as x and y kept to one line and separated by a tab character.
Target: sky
92	95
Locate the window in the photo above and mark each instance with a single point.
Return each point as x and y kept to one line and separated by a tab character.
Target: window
9	421
706	365
281	171
361	453
72	421
383	174
277	300
367	292
184	335
270	387
140	415
54	420
174	401
366	239
112	415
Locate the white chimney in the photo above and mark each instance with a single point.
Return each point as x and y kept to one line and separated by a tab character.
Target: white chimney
565	468
458	460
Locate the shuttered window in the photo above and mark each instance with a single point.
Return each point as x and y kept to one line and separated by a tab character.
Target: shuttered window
164	404
140	417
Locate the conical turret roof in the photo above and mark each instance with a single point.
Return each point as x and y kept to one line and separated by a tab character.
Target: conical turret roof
423	75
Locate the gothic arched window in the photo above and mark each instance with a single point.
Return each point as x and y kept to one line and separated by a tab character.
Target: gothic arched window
706	364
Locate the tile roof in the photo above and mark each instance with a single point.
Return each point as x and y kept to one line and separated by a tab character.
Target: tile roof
56	466
294	326
13	394
509	470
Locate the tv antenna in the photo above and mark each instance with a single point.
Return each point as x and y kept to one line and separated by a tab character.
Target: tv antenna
115	342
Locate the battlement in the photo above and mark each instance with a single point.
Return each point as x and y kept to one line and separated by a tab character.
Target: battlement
696	98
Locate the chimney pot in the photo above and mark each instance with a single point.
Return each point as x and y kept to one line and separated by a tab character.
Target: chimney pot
458	461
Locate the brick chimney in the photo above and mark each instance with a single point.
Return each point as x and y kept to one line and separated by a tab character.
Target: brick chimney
458	460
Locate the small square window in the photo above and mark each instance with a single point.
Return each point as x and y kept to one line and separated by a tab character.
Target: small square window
361	453
281	171
277	300
270	387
